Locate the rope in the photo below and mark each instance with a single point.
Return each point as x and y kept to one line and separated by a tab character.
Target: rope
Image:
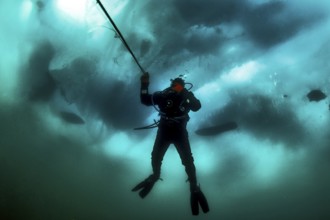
120	35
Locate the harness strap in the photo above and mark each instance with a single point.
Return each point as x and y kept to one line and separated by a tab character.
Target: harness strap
175	119
153	125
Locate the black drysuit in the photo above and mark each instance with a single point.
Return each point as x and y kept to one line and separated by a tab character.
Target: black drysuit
173	108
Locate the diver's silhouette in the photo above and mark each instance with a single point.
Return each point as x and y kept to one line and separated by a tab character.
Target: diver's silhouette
173	105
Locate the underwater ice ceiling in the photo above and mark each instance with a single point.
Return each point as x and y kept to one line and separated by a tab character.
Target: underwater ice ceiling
69	100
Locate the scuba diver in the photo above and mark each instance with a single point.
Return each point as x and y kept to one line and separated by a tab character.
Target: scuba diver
173	105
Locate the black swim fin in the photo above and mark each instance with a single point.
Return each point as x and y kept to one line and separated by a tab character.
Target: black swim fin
194	203
197	198
145	186
203	202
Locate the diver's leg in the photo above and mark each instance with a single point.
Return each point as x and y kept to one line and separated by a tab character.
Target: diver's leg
183	147
196	196
160	147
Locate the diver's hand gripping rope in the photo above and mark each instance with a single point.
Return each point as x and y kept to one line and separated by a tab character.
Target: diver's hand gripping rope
120	35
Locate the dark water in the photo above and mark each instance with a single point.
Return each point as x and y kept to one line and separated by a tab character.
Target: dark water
45	175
